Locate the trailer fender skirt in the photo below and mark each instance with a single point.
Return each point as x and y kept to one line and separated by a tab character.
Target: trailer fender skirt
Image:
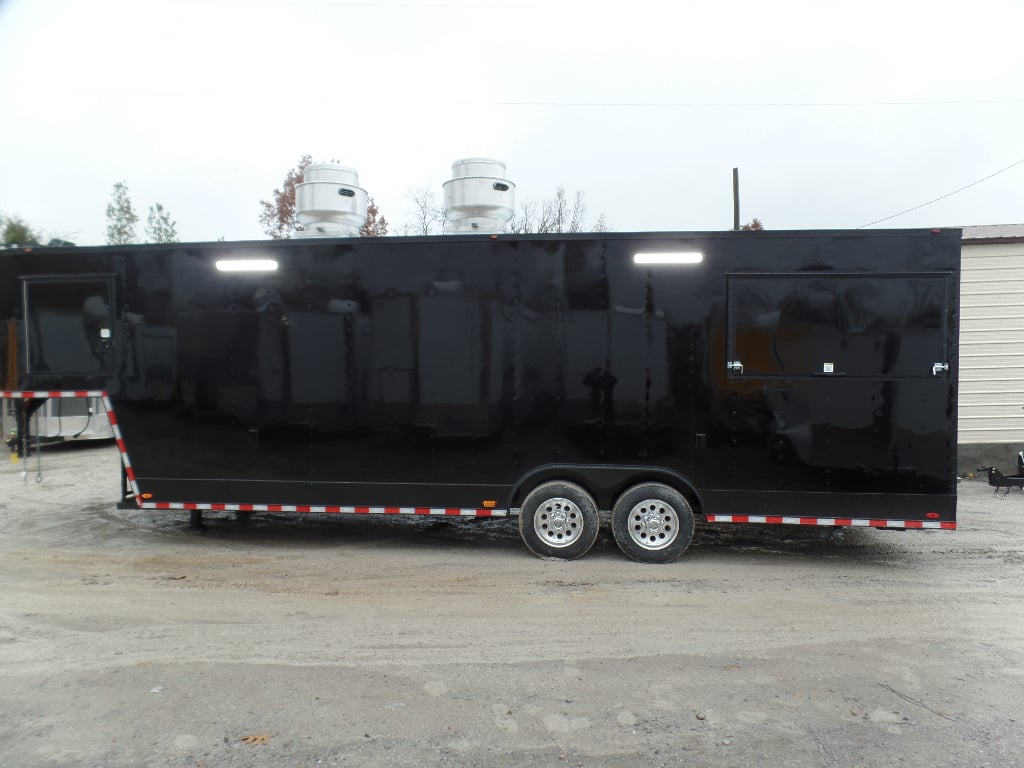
853	522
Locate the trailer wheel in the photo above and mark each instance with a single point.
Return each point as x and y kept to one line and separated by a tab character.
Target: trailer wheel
652	523
559	519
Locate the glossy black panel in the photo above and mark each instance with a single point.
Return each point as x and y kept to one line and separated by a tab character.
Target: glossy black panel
370	371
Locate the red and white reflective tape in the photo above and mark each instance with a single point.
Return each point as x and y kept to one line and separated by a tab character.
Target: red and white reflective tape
328	509
129	471
854	522
44	394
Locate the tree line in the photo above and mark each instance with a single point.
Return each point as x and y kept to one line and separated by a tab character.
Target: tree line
122	224
122	220
563	212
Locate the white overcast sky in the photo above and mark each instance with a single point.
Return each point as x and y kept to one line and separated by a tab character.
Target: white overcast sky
836	113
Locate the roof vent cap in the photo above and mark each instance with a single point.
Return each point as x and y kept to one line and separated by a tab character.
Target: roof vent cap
478	198
329	202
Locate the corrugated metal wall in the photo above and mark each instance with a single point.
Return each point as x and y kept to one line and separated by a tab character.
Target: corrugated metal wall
992	344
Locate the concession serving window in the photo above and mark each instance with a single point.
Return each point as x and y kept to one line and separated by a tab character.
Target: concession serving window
814	324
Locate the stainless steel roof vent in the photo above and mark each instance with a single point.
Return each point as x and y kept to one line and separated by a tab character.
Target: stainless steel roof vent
478	199
329	202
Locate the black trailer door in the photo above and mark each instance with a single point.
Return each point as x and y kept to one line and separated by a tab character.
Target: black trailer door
69	325
875	326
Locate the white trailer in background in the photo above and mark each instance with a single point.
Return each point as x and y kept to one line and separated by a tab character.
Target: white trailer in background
66	418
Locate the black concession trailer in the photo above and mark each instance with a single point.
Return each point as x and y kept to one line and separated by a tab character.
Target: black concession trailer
673	379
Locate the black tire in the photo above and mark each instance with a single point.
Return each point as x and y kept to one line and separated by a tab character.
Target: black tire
652	523
559	519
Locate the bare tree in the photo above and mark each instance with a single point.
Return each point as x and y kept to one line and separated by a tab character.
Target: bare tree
755	225
556	214
578	213
525	221
559	215
427	215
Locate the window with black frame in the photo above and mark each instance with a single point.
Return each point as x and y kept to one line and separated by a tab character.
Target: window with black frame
69	325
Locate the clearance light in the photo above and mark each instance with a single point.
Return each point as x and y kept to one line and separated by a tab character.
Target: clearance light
674	257
246	265
490	504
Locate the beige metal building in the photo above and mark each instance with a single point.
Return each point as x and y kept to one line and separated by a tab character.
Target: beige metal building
991	410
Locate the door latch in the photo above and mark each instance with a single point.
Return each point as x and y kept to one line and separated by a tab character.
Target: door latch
736	366
938	368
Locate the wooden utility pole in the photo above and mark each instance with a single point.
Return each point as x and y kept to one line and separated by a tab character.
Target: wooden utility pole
735	198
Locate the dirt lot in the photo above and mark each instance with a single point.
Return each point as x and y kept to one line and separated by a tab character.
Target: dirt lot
126	640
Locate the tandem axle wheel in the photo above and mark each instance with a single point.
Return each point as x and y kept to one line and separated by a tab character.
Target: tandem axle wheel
651	522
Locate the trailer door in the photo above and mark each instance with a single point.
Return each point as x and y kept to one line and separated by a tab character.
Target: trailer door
69	325
879	326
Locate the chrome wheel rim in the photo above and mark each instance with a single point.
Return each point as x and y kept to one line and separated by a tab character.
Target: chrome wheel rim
653	524
558	522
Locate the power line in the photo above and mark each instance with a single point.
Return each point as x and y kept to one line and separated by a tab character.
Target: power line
943	197
752	104
570	104
363	4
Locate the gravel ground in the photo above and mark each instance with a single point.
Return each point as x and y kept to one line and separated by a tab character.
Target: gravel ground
127	640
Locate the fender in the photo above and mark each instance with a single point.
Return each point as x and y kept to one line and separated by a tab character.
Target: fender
605	482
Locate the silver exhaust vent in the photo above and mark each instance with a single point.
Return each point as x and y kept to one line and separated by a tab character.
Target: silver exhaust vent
478	199
329	202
